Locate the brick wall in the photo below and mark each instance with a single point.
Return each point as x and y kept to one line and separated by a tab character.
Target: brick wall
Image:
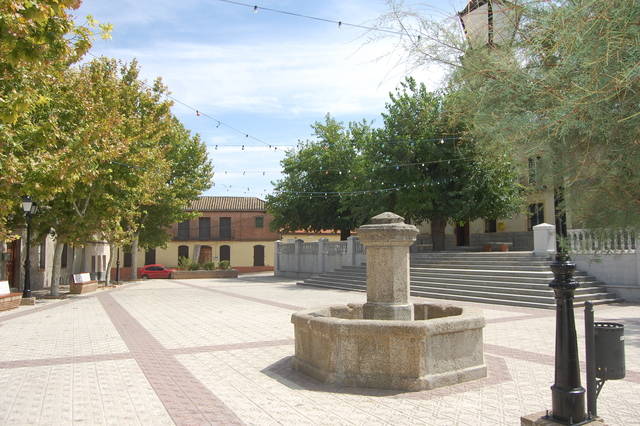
243	227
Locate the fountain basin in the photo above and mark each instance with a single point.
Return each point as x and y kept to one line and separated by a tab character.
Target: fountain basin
440	347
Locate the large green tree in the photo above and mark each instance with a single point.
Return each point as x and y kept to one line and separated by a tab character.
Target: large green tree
565	88
308	196
38	41
438	174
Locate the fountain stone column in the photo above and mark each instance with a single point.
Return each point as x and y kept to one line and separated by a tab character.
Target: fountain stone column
387	239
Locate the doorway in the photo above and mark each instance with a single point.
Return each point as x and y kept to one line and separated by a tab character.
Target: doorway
206	254
258	255
462	234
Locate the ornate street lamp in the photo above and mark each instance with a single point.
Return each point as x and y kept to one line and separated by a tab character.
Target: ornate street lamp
489	22
30	208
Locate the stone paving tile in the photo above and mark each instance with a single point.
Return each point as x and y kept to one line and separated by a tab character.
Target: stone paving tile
204	325
163	351
109	392
81	329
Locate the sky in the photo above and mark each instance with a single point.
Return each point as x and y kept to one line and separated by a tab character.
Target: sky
262	74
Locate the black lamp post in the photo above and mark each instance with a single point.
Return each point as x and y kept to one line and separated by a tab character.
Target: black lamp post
30	208
567	395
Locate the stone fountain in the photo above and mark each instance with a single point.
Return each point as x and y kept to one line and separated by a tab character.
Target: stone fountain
388	342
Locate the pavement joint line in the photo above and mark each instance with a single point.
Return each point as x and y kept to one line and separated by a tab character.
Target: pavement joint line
239	296
176	387
61	302
544	359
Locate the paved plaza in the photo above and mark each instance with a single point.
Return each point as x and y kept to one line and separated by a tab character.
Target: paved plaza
164	352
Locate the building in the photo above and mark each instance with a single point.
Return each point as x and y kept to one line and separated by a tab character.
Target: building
516	230
235	229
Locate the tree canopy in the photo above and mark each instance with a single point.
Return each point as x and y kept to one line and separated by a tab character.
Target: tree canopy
418	165
315	173
565	88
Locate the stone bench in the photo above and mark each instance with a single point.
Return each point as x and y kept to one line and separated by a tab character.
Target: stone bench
8	300
82	283
498	245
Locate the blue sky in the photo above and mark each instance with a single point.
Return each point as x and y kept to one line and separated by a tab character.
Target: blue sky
269	75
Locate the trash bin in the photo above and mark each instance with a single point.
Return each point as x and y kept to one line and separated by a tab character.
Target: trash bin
609	357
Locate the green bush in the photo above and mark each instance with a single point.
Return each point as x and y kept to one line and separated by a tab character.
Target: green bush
184	263
209	266
224	264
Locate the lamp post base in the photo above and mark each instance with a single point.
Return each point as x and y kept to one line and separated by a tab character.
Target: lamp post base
543	418
28	301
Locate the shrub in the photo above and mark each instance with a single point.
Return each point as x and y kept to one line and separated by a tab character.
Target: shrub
224	264
209	266
184	263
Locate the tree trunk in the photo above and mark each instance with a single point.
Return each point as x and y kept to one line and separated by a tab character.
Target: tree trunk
112	250
344	234
134	258
438	226
55	273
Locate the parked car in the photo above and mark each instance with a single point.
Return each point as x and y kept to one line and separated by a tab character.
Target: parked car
155	271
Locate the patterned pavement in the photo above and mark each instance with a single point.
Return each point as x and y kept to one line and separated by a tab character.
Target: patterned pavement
218	352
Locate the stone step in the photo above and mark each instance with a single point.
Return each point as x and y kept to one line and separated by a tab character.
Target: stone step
540	295
495	272
493	267
493	276
416	262
525	301
481	286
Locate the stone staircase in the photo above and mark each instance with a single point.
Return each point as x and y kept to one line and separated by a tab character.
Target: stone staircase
510	278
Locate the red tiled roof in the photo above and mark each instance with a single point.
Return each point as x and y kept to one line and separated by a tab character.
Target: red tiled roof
227	204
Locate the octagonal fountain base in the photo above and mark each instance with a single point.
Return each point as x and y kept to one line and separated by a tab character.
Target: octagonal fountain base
442	346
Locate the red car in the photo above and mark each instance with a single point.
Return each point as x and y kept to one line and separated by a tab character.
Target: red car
155	271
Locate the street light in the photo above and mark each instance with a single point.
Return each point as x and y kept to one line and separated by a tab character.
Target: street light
30	208
489	22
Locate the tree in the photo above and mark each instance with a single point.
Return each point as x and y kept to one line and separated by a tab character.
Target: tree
38	41
438	175
417	165
566	88
306	198
190	174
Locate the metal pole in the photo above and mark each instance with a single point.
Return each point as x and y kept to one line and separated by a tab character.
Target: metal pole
26	292
589	337
567	394
118	265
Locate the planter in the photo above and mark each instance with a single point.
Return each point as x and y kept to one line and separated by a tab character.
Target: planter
201	273
81	288
10	301
486	247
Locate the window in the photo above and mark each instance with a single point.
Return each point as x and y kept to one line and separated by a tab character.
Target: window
533	170
260	222
183	230
225	228
490	225
183	251
65	254
225	253
204	228
536	215
127	259
150	257
43	254
93	264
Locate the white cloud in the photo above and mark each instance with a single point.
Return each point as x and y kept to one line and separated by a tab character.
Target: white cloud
276	78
